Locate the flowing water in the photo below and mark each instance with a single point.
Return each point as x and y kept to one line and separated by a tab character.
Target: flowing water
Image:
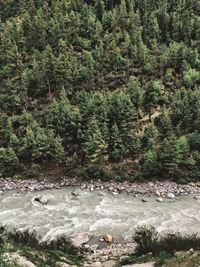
97	213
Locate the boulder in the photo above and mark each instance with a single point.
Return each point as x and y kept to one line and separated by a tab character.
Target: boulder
170	195
108	238
80	239
159	199
42	199
74	194
157	193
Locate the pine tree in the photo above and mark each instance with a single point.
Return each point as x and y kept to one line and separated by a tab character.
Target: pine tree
135	92
151	96
96	148
151	166
169	154
117	148
150	137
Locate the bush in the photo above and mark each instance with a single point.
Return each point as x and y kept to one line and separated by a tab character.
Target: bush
30	238
148	240
107	175
25	237
80	173
63	244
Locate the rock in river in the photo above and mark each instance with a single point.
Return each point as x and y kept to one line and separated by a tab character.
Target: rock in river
108	238
170	195
42	199
197	197
159	199
80	239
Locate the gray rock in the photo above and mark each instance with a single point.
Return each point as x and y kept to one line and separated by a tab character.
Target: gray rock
157	193
42	199
170	195
74	194
94	247
96	264
159	199
110	263
80	239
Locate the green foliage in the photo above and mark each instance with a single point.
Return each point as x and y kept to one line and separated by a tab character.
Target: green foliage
9	162
164	124
194	140
148	240
64	63
151	165
169	154
149	137
96	148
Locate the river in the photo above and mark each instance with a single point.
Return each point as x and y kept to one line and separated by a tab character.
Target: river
98	212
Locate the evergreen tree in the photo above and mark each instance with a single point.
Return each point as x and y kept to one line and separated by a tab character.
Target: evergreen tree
169	155
151	96
151	166
96	148
149	137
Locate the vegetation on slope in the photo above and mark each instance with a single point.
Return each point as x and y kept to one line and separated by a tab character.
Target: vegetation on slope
27	245
172	249
77	77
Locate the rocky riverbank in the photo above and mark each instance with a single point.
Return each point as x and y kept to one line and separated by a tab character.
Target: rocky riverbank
159	189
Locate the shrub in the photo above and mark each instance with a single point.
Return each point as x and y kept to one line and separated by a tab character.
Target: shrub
25	237
148	240
31	239
107	175
63	244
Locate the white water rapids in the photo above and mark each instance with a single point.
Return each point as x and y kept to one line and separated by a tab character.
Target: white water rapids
117	215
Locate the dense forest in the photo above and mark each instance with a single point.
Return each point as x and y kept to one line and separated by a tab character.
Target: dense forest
103	88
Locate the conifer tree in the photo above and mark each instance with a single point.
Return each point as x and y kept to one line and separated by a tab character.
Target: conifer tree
96	148
169	154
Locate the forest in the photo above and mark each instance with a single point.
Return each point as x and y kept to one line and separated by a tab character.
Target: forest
104	89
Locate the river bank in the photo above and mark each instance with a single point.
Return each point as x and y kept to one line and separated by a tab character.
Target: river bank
158	188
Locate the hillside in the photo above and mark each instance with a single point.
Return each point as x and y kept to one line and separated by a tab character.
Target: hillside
100	88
